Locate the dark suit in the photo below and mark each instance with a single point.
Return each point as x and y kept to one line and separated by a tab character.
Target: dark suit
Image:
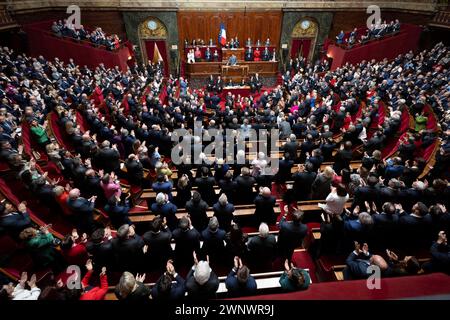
118	215
291	147
128	253
102	254
224	215
197	213
264	211
160	249
262	251
440	258
236	289
202	292
206	189
244	192
385	229
177	290
290	237
168	211
213	244
302	184
356	266
186	242
108	159
415	230
342	160
135	172
82	213
321	187
14	222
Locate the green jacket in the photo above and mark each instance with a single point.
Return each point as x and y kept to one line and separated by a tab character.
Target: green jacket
288	285
40	134
421	123
42	249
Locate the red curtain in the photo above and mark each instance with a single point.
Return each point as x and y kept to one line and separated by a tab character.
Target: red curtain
303	44
161	44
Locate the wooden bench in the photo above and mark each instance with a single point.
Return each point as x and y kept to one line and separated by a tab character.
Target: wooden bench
240	212
264	281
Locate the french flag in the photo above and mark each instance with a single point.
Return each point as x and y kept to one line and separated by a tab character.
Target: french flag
222	35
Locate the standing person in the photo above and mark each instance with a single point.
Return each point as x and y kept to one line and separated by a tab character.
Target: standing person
187	242
294	279
335	201
94	293
201	282
291	234
239	281
132	288
170	286
264	207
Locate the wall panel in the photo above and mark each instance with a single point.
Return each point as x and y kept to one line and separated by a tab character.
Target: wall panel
254	24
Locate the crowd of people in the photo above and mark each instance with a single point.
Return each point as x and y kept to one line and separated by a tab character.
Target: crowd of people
97	36
211	53
376	31
130	129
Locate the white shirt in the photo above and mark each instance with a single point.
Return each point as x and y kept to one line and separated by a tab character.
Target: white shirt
334	203
20	293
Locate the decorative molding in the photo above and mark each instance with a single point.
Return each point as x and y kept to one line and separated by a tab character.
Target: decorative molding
160	32
310	32
224	5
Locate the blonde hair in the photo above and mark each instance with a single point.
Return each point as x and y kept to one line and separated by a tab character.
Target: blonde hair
126	284
58	190
328	172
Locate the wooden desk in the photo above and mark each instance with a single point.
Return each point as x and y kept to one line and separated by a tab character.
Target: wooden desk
234	71
204	69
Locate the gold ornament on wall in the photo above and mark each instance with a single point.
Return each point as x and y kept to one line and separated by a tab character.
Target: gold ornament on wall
152	28
305	28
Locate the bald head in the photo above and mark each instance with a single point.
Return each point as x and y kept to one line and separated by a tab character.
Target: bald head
266	192
74	193
379	261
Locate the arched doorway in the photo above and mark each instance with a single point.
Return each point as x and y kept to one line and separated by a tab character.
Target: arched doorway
303	38
152	36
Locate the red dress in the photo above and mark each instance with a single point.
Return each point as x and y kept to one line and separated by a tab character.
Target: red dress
257	55
96	293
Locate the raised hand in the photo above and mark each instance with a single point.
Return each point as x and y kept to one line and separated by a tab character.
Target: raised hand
32	281
89	266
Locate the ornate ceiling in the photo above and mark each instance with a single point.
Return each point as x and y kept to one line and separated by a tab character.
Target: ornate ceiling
408	5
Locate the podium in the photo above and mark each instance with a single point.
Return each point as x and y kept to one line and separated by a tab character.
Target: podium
238	52
236	72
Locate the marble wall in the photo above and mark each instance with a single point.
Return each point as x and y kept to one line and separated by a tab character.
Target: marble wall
132	20
291	18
